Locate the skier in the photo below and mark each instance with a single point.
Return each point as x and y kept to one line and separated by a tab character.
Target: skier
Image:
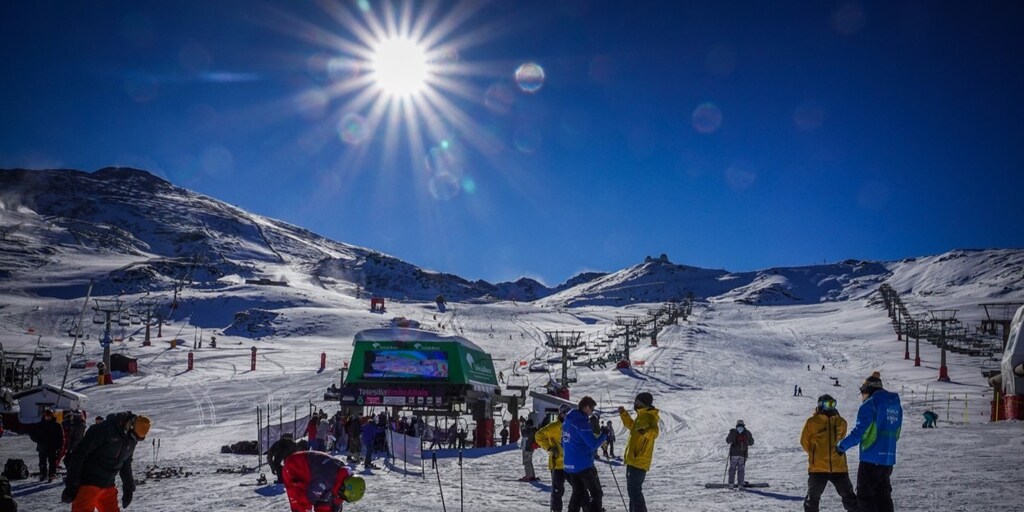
318	482
929	419
278	452
504	434
49	438
739	439
640	447
879	420
323	428
824	464
609	445
549	437
529	438
799	391
106	451
595	426
579	443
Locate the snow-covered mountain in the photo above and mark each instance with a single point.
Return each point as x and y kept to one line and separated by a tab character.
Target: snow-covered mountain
133	232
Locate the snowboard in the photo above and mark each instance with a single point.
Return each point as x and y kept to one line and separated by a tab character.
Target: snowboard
747	485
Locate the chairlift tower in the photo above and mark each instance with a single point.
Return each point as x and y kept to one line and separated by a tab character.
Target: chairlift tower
631	328
108	308
565	341
943	317
149	303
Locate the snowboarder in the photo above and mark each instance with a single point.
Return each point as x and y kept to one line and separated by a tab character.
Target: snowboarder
105	452
278	452
739	439
504	434
640	447
549	437
929	419
318	482
824	464
529	439
49	438
578	444
879	420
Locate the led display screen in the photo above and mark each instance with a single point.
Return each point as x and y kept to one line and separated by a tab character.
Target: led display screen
395	364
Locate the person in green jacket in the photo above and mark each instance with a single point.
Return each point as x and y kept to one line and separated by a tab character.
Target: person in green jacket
643	430
549	437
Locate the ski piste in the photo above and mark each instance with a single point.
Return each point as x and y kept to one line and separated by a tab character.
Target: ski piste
746	485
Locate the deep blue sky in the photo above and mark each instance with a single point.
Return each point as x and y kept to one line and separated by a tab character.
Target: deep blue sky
873	130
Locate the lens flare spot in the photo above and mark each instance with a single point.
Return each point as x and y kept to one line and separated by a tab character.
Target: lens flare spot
343	68
740	177
530	77
707	118
528	139
808	116
364	5
352	129
499	98
443	187
469	185
848	19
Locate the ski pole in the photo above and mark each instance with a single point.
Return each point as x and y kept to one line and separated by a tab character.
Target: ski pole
612	470
433	462
726	469
462	501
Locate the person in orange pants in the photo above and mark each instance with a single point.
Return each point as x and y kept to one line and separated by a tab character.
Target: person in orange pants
105	452
318	482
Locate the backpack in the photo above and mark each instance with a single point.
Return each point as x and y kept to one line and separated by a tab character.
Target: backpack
15	469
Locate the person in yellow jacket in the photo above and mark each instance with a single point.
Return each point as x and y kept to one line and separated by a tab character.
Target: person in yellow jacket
549	437
640	448
821	432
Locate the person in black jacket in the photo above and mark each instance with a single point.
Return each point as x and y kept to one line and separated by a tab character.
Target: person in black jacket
49	438
279	451
739	439
105	452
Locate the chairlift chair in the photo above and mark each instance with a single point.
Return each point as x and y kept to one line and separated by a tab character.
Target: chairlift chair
98	318
570	375
518	383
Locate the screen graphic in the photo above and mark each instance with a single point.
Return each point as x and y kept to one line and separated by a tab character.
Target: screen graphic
405	364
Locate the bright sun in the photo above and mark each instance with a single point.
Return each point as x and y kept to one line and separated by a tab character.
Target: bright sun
400	67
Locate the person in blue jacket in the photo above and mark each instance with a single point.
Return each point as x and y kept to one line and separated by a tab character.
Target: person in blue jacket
879	421
578	446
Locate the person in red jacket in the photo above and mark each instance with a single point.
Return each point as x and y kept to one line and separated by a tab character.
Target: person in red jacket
318	482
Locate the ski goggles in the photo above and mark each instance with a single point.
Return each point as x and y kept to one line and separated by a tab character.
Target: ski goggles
827	405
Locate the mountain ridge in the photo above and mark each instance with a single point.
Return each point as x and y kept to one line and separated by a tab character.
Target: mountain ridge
140	233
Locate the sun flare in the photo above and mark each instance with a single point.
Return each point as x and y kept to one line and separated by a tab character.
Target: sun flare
400	67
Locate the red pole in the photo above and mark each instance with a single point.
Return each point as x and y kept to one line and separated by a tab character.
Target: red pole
253	368
190	360
323	360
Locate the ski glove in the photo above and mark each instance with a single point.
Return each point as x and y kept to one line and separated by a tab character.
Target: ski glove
126	498
69	494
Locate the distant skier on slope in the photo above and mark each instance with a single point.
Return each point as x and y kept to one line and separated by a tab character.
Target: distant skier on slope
824	463
317	482
739	439
549	437
879	421
640	447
